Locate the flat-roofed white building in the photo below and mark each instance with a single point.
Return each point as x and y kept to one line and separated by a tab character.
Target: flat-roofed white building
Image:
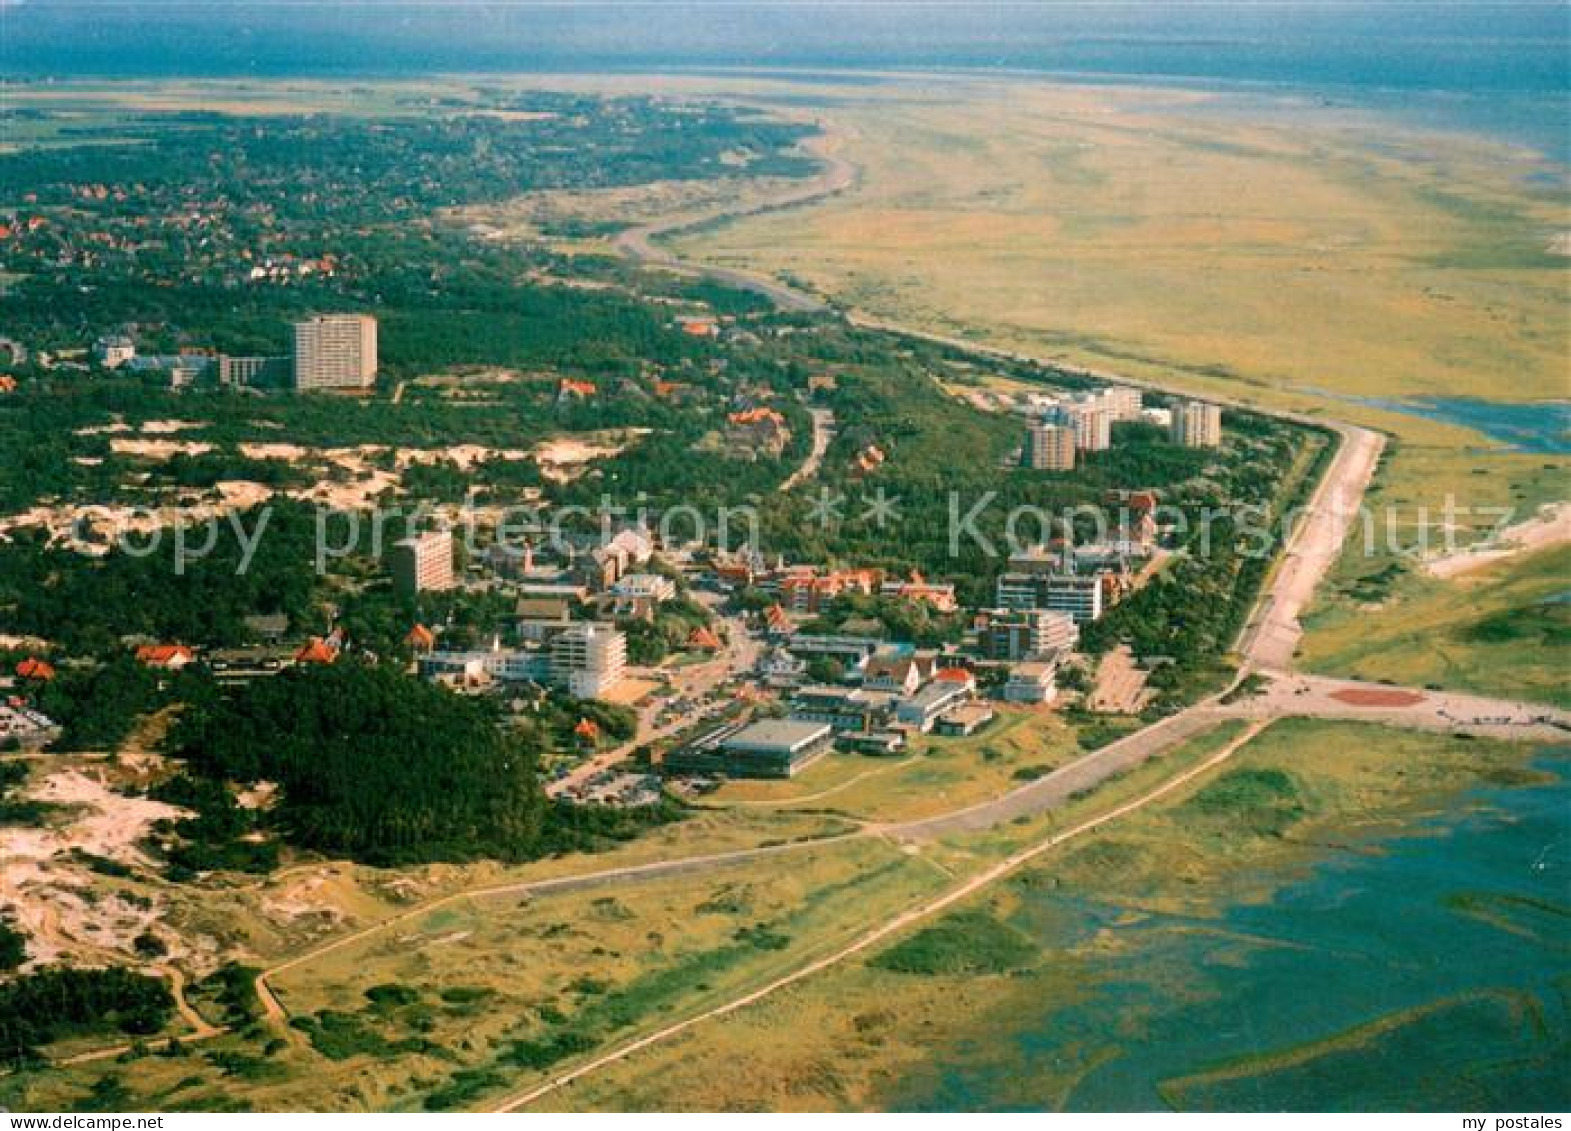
1079	596
651	587
1032	682
113	351
1021	634
588	660
1123	402
1091	422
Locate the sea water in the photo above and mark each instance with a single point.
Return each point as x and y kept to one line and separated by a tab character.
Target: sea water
1427	969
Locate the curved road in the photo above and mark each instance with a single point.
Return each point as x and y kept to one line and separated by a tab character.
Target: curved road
638	244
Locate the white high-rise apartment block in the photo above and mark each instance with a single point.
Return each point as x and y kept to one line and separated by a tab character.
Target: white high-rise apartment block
588	659
1050	447
1123	402
423	563
335	351
1197	424
1092	424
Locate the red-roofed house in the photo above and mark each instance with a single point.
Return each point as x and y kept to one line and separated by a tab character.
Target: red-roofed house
35	669
318	651
741	572
698	326
776	619
802	590
916	588
957	676
587	731
420	638
704	639
869	458
570	388
167	657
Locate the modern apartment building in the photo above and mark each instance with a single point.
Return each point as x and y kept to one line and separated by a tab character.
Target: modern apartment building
1197	424
1091	423
1050	447
1123	402
335	351
1079	596
587	660
1034	682
240	371
1023	634
423	563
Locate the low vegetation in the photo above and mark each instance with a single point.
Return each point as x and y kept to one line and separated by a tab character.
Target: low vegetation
967	942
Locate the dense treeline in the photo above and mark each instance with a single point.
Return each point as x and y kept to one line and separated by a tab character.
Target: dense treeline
13	944
374	765
96	703
85	603
57	1002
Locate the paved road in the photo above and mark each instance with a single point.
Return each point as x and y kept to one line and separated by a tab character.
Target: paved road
638	244
1055	789
693	682
1324	697
1270	639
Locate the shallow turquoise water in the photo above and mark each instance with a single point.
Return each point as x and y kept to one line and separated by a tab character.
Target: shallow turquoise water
1464	918
1532	426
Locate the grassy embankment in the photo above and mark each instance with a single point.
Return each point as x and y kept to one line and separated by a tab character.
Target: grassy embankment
1298	793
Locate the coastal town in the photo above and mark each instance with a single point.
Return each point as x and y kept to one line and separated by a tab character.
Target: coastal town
464	648
757	683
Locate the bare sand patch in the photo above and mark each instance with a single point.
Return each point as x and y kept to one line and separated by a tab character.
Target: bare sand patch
274	451
562	458
158	449
114	426
168	427
49	893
